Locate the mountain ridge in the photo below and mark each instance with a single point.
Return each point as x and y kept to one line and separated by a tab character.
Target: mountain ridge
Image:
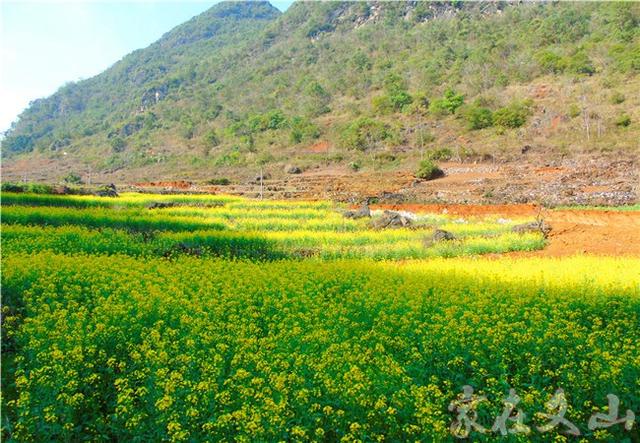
369	86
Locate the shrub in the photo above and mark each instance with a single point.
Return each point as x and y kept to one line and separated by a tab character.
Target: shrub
580	63
117	144
11	187
551	62
302	128
219	181
440	154
428	170
364	133
617	98
479	118
396	97
211	139
73	179
574	110
623	121
511	116
447	104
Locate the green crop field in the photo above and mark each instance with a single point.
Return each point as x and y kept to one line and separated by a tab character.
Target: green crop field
214	318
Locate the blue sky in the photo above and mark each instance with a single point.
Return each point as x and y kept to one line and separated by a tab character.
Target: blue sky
45	44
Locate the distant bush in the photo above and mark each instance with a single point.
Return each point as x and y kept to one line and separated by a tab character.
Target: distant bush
33	188
210	138
73	179
219	181
302	129
580	63
551	63
11	187
117	144
447	104
512	116
419	105
396	97
574	110
440	154
364	133
478	117
623	121
617	98
428	170
274	119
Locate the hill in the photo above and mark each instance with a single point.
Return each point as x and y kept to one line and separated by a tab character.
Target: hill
369	87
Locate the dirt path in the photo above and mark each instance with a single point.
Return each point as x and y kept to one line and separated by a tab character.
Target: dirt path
611	233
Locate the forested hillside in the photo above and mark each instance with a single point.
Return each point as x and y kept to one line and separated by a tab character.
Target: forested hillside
360	86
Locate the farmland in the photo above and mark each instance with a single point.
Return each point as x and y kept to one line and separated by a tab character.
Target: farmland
216	318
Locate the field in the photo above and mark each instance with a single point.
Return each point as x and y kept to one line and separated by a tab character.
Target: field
218	318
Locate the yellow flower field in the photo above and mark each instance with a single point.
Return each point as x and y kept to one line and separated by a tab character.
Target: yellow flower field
169	331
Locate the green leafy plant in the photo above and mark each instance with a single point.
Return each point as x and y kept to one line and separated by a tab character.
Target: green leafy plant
478	117
428	170
448	104
512	116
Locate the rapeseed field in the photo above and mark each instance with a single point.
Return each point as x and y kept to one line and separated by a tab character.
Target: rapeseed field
225	319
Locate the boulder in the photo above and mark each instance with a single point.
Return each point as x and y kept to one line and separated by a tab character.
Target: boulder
390	219
292	169
442	235
362	212
107	191
535	226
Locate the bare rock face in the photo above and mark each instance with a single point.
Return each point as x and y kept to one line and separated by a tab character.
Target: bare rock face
536	226
391	219
362	212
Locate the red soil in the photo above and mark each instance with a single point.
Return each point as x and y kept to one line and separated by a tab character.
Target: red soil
611	233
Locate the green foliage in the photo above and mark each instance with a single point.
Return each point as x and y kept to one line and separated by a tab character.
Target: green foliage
210	138
448	104
219	181
551	63
73	179
512	116
396	97
478	117
365	133
303	129
271	120
428	170
580	63
419	105
117	144
574	110
31	188
617	97
440	154
323	58
623	120
17	144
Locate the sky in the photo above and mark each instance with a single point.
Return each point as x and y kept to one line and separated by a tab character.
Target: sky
45	44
